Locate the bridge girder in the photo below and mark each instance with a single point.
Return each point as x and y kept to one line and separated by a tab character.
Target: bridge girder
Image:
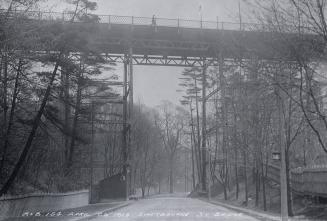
163	60
160	44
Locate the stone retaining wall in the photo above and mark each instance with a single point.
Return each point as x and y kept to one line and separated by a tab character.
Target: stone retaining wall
43	202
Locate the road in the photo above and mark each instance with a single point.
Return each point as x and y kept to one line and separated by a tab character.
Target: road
173	208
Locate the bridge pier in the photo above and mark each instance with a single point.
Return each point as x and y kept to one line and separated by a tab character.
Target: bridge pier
204	125
131	88
131	104
127	116
125	126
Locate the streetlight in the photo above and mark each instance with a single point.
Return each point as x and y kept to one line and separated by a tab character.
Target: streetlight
276	156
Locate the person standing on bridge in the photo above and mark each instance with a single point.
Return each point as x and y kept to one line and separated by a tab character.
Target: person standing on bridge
154	23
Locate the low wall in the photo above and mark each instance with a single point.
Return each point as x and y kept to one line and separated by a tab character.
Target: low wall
43	202
309	180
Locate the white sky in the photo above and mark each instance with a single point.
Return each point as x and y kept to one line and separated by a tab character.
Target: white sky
152	83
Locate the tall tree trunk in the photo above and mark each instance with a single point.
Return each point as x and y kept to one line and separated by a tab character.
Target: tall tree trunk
235	153
149	190
1	64
144	182
225	191
5	108
229	178
264	199
224	121
198	128
67	113
257	184
196	153
113	157
245	177
106	162
288	182
288	145
262	168
11	116
5	90
30	138
134	176
225	174
204	128
288	129
193	167
75	120
143	191
142	178
236	173
171	175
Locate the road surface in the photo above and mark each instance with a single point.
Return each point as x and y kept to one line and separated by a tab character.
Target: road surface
172	208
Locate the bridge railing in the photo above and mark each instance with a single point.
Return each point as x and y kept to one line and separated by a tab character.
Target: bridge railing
182	23
133	20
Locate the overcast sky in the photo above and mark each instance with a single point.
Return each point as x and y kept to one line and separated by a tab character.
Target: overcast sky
153	84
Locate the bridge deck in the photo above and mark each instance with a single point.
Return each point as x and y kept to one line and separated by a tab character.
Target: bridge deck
180	40
190	42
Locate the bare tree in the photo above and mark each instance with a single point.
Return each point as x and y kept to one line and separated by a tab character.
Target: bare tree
171	124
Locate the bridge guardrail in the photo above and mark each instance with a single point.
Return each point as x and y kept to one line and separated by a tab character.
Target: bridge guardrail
135	20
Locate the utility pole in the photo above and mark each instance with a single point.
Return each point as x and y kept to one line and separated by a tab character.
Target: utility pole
92	150
283	182
204	125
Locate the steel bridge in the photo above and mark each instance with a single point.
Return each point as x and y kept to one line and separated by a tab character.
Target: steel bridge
175	42
168	42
